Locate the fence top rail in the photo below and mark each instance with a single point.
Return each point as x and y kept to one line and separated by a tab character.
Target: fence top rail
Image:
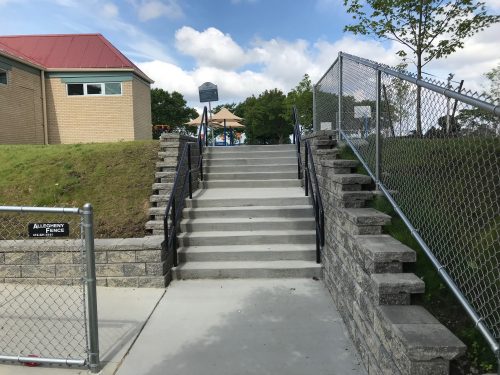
489	107
46	210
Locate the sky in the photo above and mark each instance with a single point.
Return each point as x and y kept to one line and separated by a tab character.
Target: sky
243	46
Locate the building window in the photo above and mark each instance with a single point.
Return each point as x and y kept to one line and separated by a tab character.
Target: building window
95	89
3	77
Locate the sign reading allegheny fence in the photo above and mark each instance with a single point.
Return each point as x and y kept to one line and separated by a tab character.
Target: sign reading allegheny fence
48	229
208	92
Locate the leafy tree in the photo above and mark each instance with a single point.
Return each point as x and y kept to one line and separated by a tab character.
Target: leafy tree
430	29
266	118
170	110
302	97
494	85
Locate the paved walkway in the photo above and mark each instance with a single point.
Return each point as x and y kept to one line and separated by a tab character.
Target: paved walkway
219	327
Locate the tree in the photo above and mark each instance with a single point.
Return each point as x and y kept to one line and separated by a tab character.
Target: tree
266	120
302	97
494	83
171	110
430	29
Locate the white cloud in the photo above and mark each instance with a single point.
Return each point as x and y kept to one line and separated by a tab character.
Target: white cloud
110	10
148	10
276	63
210	47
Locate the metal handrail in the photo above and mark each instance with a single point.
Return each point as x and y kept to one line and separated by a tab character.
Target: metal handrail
176	205
310	184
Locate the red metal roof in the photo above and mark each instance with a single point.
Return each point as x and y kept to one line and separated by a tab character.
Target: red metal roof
67	51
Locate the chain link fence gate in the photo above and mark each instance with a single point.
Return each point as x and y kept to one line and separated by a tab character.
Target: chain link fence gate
48	309
434	151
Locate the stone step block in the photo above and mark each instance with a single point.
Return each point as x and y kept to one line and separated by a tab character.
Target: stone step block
419	343
395	288
383	253
249	148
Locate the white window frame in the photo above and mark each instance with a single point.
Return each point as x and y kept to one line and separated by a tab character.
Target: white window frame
103	89
6	77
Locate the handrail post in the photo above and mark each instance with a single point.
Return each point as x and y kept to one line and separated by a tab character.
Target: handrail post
306	168
88	228
339	125
174	231
377	127
189	171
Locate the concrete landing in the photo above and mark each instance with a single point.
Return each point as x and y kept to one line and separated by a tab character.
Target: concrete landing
227	327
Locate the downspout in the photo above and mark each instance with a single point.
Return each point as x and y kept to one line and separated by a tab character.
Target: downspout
44	109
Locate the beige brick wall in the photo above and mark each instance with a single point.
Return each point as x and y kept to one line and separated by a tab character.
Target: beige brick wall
83	119
142	109
21	115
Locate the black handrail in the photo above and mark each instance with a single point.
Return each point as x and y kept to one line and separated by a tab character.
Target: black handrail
306	170
176	203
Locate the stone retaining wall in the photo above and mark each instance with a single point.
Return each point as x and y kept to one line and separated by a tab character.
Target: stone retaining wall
363	269
120	262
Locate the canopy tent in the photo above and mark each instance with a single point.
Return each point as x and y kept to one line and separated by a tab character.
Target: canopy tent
226	117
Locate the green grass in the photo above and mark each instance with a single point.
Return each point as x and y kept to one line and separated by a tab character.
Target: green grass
438	299
115	178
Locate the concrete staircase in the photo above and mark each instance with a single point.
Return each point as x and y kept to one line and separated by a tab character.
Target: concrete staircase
250	219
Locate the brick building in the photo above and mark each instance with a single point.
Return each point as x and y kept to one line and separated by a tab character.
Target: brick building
70	89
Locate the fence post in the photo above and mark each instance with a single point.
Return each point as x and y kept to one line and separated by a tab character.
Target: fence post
315	125
339	125
88	227
378	145
190	182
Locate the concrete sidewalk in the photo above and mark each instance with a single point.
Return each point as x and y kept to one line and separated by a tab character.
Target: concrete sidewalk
219	327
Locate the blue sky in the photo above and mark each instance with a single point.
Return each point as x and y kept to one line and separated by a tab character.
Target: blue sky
244	46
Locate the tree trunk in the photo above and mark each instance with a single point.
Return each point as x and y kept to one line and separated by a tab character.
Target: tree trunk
419	95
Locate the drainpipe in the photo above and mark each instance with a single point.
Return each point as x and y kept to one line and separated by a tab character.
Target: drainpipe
44	109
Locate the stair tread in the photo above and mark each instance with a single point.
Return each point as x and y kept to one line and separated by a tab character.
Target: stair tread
245	233
252	248
249	208
244	220
271	264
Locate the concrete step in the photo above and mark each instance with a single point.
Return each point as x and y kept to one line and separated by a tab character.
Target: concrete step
250	212
215	161
236	270
246	224
252	154
247	253
251	168
251	176
249	148
247	237
251	183
247	201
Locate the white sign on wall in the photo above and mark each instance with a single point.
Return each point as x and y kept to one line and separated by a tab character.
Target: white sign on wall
325	125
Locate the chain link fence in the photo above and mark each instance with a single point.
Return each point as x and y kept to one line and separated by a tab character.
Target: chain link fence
434	150
43	286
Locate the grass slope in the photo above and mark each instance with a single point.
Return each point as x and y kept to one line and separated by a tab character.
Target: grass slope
115	178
